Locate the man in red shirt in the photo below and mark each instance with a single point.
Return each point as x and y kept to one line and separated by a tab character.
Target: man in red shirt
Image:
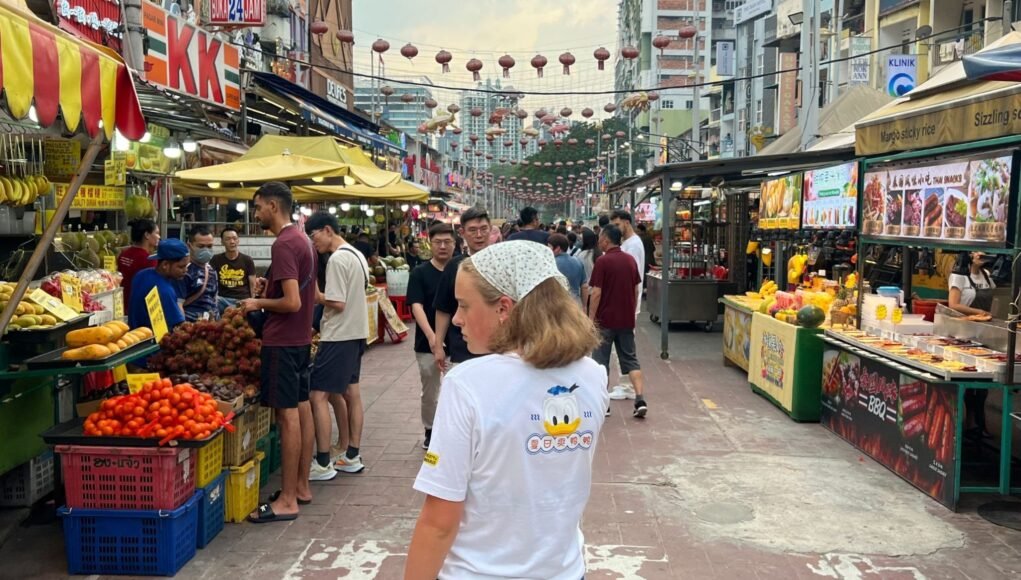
612	304
145	237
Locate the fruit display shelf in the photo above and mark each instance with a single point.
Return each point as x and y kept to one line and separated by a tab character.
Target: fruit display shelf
83	367
72	433
54	359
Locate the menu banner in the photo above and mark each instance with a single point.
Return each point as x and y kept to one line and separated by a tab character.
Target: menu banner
771	358
965	200
831	197
779	203
907	425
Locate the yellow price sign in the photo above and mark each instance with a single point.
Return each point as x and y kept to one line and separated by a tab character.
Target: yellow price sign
137	380
110	263
120	373
156	316
898	315
52	305
71	292
881	312
118	303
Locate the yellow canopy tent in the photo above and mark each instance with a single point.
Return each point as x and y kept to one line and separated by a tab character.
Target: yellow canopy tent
280	167
362	178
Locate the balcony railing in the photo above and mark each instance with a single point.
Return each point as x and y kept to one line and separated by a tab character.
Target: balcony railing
946	51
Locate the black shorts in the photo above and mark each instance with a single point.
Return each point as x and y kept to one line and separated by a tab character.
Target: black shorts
338	365
624	341
285	371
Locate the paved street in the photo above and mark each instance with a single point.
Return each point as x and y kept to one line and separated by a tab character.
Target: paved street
716	483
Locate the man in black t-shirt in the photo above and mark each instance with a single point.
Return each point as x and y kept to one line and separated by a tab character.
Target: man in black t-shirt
531	230
475	228
234	270
422	287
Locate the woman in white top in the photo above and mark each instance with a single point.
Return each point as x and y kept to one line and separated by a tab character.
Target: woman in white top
971	287
509	467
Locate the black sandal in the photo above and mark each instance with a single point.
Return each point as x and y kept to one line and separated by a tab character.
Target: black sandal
266	515
276	494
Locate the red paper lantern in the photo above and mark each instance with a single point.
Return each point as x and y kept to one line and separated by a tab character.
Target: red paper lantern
473	138
606	137
549	119
407	97
540	113
478	153
386	90
571	141
489	157
380	46
430	103
443	57
458	130
589	142
687	31
547	164
610	107
620	134
558	164
587	113
558	143
523	141
345	36
567	59
422	128
475	112
409	51
629	52
521	114
538	62
453	108
566	112
508	143
319	28
474	66
661	42
542	143
453	144
507	62
490	138
602	55
653	97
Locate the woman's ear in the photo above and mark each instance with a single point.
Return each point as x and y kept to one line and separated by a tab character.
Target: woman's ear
505	305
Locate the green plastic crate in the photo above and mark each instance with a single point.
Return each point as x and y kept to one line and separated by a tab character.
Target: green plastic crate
26	411
263	445
275	455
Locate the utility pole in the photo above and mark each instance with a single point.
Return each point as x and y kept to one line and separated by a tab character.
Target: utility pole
134	37
838	18
808	120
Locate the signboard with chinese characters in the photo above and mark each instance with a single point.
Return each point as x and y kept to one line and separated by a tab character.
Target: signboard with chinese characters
236	12
62	157
115	169
95	20
189	60
96	197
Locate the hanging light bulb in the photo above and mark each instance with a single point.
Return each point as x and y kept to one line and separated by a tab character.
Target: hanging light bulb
370	212
404	207
333	210
120	142
294	216
213	185
241	207
32	115
345	206
364	207
146	138
417	207
306	211
172	150
189	145
317	179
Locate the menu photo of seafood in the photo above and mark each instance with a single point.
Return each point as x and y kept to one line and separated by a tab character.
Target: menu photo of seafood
894	213
955	214
932	212
874	203
988	196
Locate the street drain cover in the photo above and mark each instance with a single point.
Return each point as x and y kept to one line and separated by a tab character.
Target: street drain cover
726	513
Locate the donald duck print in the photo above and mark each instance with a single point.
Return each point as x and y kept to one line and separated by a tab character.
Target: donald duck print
561	420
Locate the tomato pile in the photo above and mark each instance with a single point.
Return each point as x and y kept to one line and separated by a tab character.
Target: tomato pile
160	410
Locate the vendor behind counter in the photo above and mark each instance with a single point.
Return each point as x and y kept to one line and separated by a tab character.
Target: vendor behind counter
971	285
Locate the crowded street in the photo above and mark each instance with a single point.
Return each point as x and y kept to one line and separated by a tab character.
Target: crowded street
717	484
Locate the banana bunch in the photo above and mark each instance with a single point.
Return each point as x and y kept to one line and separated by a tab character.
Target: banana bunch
796	268
768	288
23	191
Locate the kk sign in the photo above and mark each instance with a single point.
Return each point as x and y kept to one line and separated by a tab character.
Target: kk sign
186	59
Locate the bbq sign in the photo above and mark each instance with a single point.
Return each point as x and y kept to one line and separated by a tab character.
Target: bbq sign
187	59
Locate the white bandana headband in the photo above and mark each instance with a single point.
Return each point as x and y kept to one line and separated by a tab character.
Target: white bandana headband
515	268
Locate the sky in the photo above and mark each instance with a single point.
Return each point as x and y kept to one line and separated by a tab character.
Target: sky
486	30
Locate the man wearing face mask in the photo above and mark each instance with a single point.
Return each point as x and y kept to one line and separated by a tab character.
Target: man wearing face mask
200	285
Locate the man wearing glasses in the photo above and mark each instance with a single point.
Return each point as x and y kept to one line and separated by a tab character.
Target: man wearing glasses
475	229
422	286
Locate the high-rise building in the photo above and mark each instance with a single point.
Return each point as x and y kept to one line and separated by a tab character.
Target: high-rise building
492	96
394	110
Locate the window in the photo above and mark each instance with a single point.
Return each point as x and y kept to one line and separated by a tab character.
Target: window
741	121
758	111
689	104
667	104
760	63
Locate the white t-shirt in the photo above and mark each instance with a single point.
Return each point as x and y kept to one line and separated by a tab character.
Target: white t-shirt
633	247
346	273
518	451
961	282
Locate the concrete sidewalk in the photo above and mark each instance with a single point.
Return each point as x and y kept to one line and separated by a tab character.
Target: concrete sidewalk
715	483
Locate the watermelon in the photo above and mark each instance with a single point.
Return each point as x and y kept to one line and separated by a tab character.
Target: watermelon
811	316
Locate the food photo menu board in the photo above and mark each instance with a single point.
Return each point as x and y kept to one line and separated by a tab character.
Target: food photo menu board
831	197
779	203
964	200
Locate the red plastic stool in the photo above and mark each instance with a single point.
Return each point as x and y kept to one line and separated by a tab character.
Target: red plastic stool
401	305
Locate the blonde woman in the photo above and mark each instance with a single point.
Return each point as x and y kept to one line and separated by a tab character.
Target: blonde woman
509	467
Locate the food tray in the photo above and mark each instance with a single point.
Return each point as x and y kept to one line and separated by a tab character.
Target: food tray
141	542
52	360
212	509
904	362
127	478
73	433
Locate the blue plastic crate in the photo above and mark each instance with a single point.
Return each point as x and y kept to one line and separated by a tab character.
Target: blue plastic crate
211	510
145	542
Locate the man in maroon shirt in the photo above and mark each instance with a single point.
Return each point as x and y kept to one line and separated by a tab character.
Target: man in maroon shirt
145	237
288	300
612	304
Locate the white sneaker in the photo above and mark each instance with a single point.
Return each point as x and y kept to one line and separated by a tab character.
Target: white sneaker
349	465
321	473
336	453
622	392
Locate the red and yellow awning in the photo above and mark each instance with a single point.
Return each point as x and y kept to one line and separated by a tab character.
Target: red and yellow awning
88	82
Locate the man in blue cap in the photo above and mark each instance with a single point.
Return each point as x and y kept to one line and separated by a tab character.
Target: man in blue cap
172	258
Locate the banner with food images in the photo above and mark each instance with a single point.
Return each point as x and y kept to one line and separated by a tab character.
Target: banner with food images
907	425
780	203
964	200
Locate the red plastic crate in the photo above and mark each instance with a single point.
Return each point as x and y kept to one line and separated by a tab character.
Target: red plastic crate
127	478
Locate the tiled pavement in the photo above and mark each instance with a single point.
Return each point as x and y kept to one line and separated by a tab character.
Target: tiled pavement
716	483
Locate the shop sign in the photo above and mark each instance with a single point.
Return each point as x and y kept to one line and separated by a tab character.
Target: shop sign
830	197
62	157
861	60
772	357
95	197
737	328
900	74
95	20
779	203
237	12
907	425
725	58
750	9
788	92
115	169
335	92
189	60
964	200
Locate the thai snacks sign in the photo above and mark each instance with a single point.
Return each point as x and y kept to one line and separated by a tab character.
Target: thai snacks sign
907	425
964	200
187	59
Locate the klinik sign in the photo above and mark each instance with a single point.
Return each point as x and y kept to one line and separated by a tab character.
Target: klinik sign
186	59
